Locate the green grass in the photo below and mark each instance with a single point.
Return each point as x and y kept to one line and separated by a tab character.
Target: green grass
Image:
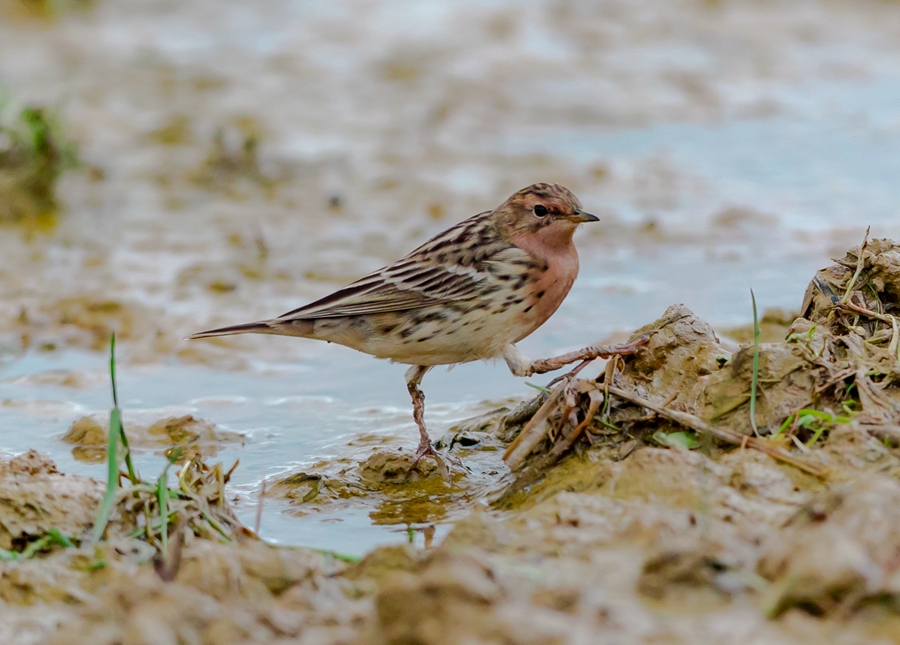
162	495
678	439
116	436
51	538
754	380
815	420
343	557
34	153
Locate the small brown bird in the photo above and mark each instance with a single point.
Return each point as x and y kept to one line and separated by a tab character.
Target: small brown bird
470	293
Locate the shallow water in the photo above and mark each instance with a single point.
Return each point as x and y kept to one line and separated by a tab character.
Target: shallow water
415	120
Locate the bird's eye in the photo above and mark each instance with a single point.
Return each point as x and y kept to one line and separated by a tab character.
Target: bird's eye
540	210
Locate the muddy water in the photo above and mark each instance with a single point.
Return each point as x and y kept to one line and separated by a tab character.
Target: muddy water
725	145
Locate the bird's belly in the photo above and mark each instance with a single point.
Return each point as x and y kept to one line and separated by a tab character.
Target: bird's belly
428	336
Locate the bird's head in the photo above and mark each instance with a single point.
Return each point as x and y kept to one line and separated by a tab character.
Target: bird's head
545	214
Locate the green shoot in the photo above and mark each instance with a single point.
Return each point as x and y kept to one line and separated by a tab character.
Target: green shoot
53	536
116	434
754	382
604	416
112	477
162	489
162	496
607	424
809	416
676	439
115	394
540	388
343	557
815	420
818	433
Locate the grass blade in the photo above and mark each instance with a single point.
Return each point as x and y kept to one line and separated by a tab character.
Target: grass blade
116	435
112	477
132	476
754	381
112	369
162	490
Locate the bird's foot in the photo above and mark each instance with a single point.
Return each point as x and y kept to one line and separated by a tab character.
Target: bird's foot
443	461
588	354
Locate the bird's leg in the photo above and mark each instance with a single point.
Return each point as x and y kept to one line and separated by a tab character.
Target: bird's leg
521	365
413	380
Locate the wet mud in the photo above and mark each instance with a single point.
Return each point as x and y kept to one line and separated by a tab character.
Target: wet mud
788	533
233	164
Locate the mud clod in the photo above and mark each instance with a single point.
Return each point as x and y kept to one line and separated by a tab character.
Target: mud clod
35	497
185	434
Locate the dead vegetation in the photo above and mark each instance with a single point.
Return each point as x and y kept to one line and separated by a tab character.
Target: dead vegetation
837	365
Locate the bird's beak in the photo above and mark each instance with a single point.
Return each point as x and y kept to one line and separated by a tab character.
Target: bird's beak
580	216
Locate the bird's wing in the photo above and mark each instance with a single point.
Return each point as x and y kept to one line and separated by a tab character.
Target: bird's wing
457	265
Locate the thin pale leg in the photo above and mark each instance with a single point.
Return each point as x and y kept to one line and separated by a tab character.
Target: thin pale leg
521	365
413	380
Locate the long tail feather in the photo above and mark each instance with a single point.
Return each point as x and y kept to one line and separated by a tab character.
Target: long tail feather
261	327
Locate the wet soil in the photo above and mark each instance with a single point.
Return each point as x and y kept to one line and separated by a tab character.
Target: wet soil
769	533
235	162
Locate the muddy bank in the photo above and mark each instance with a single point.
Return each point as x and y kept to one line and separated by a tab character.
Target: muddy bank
671	545
664	515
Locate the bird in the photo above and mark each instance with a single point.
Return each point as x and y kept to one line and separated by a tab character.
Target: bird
470	293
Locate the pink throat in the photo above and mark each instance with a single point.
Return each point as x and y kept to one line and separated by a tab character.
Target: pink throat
552	244
552	286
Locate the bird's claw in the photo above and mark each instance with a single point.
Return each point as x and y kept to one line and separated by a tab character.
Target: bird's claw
442	461
626	348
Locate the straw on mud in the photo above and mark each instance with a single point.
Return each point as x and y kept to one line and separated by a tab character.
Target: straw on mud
722	434
860	263
533	432
894	347
754	381
596	398
523	411
259	506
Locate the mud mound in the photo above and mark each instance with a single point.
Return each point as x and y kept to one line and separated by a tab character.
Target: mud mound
35	497
838	365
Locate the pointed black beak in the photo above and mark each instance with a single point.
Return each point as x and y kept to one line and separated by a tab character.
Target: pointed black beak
581	216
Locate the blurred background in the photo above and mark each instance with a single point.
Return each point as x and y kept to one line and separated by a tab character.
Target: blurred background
170	166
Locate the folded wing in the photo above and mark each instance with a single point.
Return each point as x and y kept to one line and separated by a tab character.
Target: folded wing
408	284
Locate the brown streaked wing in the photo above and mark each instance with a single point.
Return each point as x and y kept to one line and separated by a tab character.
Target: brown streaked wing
412	282
382	293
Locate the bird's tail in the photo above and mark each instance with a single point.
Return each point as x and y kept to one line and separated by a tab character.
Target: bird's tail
261	327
